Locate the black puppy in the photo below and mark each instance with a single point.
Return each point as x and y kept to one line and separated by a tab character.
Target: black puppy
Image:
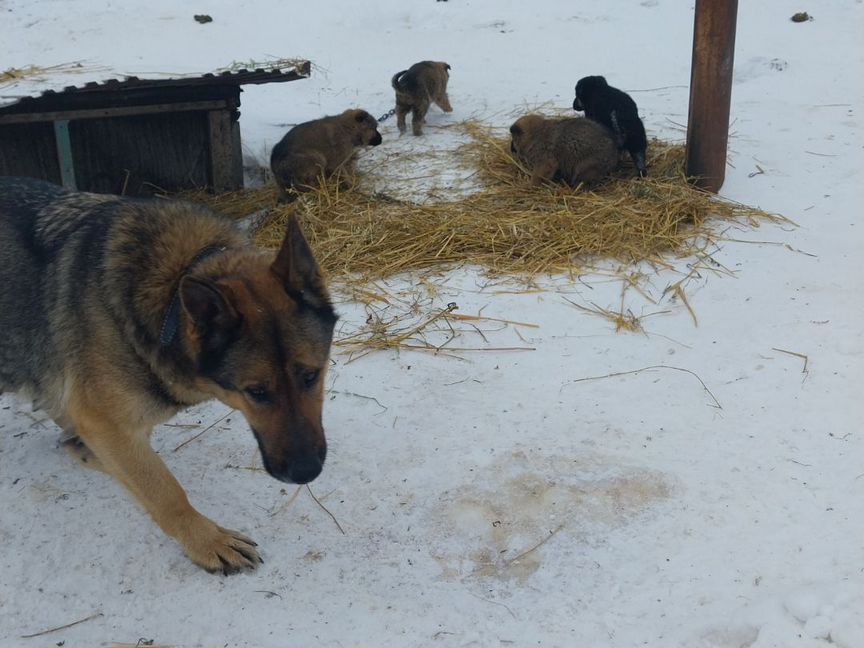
616	110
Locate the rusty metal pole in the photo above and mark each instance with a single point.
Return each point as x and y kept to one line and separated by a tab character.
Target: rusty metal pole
711	91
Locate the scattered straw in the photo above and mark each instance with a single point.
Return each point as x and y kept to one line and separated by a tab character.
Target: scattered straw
13	75
326	510
62	627
207	429
803	356
364	397
679	292
265	64
418	326
287	503
622	321
651	368
532	549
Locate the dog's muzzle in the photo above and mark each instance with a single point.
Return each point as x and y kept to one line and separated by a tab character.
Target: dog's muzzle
296	467
376	140
304	470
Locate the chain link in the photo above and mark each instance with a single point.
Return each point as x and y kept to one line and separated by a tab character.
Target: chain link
387	115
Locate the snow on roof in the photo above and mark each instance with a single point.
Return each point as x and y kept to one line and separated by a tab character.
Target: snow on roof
24	85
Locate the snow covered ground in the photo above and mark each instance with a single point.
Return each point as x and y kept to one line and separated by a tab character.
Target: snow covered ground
490	498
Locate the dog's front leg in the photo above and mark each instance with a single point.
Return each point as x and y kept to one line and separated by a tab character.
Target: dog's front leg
126	455
543	172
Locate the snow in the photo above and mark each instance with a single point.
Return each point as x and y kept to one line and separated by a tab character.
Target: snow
494	498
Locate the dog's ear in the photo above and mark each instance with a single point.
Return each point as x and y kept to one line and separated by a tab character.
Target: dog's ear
208	305
295	264
362	116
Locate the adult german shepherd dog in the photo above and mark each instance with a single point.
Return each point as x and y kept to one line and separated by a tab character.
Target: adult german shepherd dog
115	314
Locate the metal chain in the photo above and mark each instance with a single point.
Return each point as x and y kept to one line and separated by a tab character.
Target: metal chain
387	115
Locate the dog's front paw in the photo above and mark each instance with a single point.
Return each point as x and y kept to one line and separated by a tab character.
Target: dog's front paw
219	550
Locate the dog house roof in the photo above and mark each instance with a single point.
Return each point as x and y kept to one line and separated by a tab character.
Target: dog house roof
50	89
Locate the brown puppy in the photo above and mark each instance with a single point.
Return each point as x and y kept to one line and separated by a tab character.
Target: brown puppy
116	314
416	88
321	148
569	150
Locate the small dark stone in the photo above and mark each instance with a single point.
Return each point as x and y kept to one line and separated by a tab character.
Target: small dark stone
203	18
801	16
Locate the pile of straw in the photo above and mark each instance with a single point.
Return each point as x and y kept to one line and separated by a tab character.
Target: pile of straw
507	227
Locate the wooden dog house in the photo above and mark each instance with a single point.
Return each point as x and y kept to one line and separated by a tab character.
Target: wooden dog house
134	136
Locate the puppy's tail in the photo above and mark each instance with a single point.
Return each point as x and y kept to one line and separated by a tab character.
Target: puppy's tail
396	81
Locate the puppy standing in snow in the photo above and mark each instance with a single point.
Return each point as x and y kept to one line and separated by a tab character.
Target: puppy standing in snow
616	110
570	150
322	147
418	87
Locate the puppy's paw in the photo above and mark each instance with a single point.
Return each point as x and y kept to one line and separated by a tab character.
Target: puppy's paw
219	550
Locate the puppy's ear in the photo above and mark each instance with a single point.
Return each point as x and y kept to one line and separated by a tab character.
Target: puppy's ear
295	264
208	305
362	116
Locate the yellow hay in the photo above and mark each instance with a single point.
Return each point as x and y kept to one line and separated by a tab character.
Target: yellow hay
13	75
507	227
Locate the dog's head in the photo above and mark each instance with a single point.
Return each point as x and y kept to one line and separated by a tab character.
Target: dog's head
523	132
363	126
585	89
259	334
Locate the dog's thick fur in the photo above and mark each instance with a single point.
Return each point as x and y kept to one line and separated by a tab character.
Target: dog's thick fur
568	150
115	314
321	148
614	109
418	87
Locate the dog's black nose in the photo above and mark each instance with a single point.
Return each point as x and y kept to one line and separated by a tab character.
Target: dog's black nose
577	105
303	471
376	140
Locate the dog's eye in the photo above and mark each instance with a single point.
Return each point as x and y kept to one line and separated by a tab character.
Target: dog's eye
258	393
309	377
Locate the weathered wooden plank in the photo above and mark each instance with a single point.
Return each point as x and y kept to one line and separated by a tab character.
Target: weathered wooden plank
223	152
237	152
711	91
121	111
29	150
64	154
142	154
